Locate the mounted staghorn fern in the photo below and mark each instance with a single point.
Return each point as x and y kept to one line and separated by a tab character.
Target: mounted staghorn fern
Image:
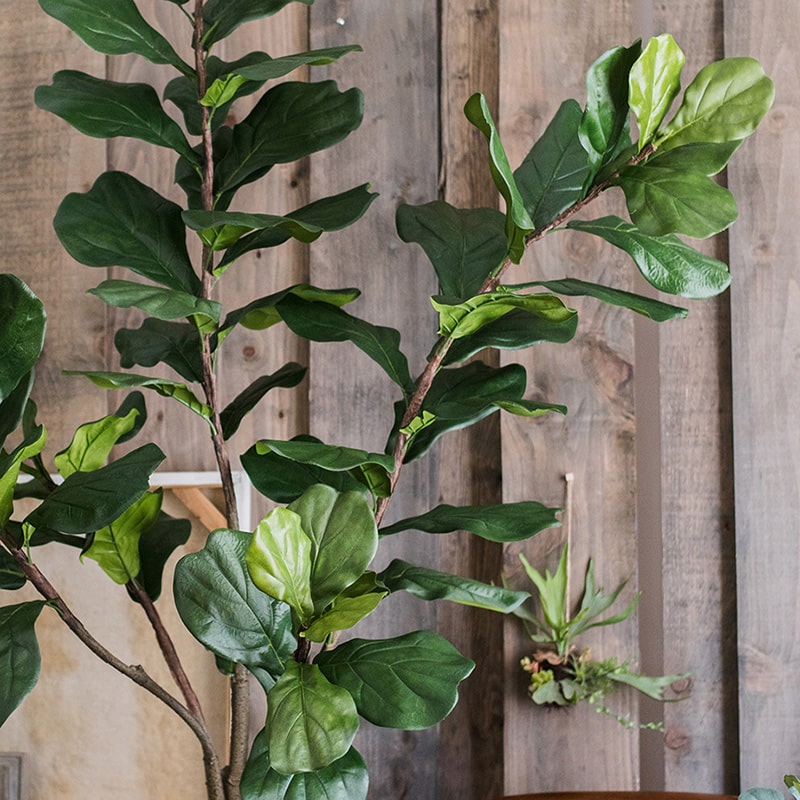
277	602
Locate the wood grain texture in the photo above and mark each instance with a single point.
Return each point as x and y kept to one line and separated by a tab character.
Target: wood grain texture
766	340
545	51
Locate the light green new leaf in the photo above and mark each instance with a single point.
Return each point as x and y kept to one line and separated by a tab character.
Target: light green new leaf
222	17
115	29
120	222
10	464
20	660
222	607
279	561
793	785
22	326
310	722
510	522
653	83
106	109
662	200
409	682
429	584
344	613
116	546
665	261
518	221
222	91
343	536
724	103
552	591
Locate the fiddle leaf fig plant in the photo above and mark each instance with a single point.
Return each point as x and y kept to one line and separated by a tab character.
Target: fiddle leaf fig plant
277	602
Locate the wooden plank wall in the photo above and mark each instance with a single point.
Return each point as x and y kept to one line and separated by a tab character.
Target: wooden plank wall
665	421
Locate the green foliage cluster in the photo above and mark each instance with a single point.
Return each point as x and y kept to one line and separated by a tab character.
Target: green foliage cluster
792	783
274	601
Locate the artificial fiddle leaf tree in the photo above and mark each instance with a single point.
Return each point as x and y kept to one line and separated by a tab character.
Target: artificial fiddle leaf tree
277	602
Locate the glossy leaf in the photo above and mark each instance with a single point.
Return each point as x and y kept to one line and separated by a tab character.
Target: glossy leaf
11	576
284	480
115	547
88	501
222	17
10	463
662	201
321	322
222	91
409	682
510	522
310	722
553	175
106	109
156	341
665	261
156	544
344	779
22	326
20	660
724	103
121	222
343	536
707	158
286	377
166	388
518	222
279	561
12	407
429	584
653	83
344	613
268	69
465	246
222	607
114	29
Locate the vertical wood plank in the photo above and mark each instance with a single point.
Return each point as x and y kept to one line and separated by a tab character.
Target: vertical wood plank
766	340
396	149
545	51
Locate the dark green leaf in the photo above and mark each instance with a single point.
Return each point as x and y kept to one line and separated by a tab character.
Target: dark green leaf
409	682
321	322
176	344
518	222
429	584
133	400
114	29
156	545
510	522
20	660
665	261
106	109
465	246
553	175
286	377
121	222
284	480
13	405
222	17
344	779
268	69
226	612
22	326
707	158
11	576
87	501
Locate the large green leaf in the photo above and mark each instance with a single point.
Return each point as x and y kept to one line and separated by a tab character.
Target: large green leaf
357	601
321	322
279	561
121	222
310	722
222	17
22	326
724	103
222	607
510	522
554	174
115	547
343	536
114	28
409	682
663	200
465	245
20	660
88	501
156	544
707	158
11	576
157	341
429	584
665	261
10	463
344	779
267	69
284	479
518	221
286	377
653	83
106	109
